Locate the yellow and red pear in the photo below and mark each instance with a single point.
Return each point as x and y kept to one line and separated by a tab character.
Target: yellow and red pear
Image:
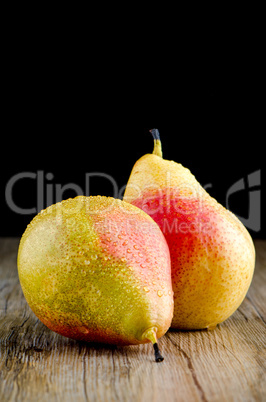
98	269
212	253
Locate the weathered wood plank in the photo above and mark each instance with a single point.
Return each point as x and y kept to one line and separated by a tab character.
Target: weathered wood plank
227	364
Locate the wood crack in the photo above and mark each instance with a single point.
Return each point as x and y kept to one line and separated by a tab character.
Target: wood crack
191	369
255	308
242	313
114	374
84	376
6	303
3	287
20	326
128	365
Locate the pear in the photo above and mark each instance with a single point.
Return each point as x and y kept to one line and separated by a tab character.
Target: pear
98	269
212	253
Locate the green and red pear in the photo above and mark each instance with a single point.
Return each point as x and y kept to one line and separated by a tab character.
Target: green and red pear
212	253
97	269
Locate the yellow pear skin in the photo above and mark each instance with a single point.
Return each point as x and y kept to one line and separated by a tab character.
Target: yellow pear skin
212	253
98	269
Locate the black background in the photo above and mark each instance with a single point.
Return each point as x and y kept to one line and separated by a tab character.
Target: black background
216	159
69	116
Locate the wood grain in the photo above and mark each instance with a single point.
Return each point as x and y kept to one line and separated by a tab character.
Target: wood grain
226	364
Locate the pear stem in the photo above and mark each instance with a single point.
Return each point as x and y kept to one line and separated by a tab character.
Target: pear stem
150	334
155	134
158	357
157	142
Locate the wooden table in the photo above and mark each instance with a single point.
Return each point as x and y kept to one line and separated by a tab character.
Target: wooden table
227	364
